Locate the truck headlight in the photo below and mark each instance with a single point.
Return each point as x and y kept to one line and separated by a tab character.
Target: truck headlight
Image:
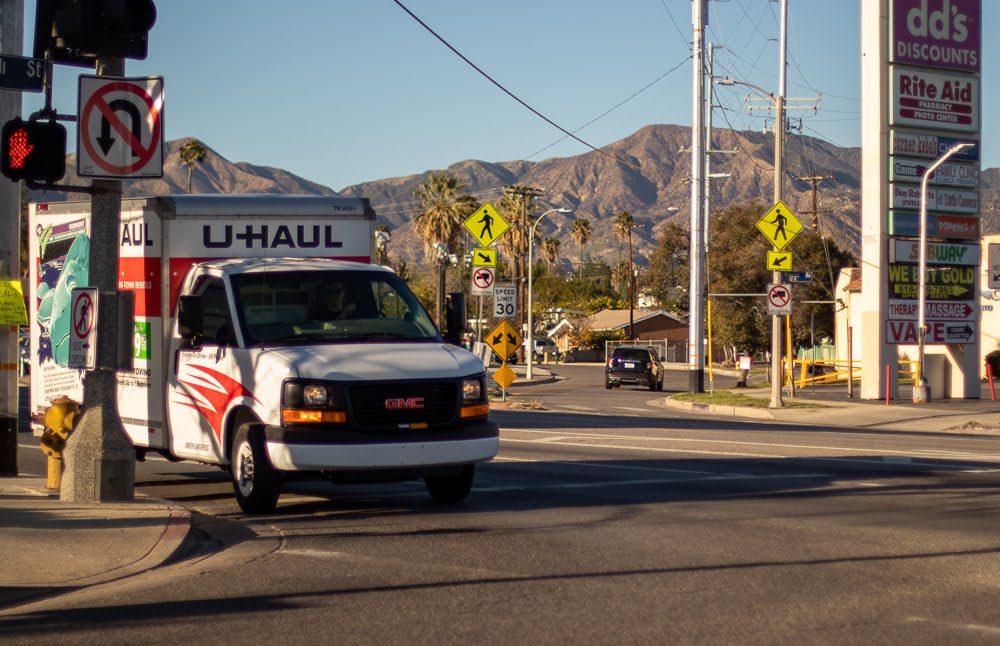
474	403
472	390
311	403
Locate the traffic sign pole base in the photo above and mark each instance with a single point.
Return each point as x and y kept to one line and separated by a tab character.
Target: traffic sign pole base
921	393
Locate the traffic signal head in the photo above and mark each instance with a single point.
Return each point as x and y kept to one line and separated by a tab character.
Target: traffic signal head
33	150
78	31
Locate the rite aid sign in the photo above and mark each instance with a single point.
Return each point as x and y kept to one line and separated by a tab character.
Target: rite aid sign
946	101
937	33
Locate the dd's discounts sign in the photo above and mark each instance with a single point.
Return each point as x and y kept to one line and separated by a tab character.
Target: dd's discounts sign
120	133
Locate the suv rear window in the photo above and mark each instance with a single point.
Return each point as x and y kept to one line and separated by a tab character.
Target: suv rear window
632	354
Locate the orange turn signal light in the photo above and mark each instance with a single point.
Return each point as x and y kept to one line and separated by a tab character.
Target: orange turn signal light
299	416
480	410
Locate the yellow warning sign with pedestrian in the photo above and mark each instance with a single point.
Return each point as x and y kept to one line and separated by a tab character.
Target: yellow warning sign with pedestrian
779	225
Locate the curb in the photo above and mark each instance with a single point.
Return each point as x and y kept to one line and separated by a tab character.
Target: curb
715	409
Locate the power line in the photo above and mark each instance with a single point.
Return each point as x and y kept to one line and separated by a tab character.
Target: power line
511	94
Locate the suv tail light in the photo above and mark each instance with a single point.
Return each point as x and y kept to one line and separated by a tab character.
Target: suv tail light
610	361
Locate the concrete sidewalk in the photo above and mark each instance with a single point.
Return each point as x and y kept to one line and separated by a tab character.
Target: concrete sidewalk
51	547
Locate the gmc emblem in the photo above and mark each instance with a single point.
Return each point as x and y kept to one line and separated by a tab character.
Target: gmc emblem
401	403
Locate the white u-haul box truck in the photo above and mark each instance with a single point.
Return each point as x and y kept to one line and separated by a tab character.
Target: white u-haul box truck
264	342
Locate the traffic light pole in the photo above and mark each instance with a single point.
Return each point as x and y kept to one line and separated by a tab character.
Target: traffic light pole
11	28
99	458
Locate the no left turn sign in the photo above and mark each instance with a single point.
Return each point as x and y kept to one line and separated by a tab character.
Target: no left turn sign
120	132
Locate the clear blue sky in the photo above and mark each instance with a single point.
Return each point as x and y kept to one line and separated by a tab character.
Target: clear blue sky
345	91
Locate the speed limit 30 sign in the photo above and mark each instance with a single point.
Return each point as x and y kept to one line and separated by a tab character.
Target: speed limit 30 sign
504	301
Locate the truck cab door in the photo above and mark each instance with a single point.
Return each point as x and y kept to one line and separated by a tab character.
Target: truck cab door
204	377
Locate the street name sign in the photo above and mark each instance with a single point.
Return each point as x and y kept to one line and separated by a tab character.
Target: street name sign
797	276
22	73
486	225
779	225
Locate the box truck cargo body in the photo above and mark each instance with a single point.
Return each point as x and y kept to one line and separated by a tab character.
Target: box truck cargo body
265	342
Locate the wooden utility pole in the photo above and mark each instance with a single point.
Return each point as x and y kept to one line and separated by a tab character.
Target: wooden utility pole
815	180
520	232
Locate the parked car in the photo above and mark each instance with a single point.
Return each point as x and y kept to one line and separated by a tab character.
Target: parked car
631	364
544	345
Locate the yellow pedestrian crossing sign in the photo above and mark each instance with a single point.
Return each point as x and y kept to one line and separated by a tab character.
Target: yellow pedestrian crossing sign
504	339
779	225
484	257
779	260
486	225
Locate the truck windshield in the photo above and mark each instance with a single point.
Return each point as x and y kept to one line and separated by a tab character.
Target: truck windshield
308	306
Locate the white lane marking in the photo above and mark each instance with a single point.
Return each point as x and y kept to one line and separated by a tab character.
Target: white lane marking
619	467
650	481
579	434
979	628
633	408
314	553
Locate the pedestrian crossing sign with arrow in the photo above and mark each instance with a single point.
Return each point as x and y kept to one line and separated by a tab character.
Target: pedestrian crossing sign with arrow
779	225
779	260
504	339
486	225
484	257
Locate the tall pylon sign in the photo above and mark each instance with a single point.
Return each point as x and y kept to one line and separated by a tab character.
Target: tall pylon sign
921	65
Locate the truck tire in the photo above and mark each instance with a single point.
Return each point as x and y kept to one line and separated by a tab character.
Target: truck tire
451	489
255	482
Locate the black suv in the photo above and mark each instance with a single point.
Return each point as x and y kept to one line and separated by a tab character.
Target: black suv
632	364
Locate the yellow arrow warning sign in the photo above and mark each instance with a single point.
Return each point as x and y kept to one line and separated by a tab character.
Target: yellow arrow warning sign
486	225
779	260
779	225
504	339
484	257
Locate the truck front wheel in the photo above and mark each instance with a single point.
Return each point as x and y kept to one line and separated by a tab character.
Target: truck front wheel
255	482
452	488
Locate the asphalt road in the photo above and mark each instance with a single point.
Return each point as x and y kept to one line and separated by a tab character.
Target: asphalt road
605	519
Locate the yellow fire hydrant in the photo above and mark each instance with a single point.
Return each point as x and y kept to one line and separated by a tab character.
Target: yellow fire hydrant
60	418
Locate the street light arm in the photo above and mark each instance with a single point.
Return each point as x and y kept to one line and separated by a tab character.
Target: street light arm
530	351
730	82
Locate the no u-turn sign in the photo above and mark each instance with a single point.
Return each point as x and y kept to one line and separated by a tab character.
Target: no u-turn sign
120	132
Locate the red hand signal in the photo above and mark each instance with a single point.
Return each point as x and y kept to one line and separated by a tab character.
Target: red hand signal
19	148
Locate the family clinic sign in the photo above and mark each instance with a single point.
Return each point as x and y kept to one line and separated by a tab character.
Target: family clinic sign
945	34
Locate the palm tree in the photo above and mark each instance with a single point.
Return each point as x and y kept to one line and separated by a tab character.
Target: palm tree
443	208
550	251
192	152
624	223
581	233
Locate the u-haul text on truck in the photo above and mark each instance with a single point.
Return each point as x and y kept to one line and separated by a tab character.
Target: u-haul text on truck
265	342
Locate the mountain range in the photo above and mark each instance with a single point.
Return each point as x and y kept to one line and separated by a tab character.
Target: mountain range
645	174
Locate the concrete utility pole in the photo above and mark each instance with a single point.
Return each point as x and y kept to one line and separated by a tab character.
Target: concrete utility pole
696	296
779	185
11	29
99	458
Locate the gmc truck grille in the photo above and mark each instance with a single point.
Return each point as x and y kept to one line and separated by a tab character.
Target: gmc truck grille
407	403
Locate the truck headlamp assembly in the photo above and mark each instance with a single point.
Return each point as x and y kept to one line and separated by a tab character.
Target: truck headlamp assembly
305	402
474	403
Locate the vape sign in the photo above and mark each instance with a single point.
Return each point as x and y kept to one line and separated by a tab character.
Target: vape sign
945	34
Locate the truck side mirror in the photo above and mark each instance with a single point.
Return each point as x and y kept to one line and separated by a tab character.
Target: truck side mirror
456	319
189	316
